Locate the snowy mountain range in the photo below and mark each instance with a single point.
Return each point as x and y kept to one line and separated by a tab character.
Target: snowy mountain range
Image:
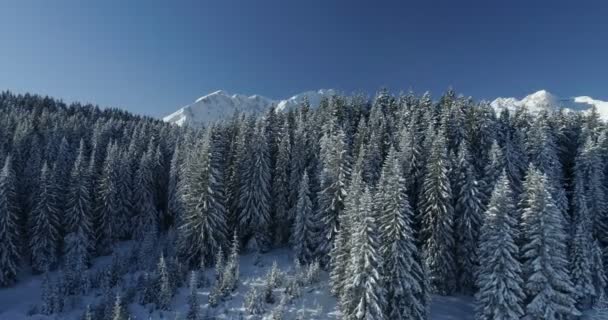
221	105
543	99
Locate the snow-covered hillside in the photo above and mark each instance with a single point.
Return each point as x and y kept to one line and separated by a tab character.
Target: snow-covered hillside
543	99
221	105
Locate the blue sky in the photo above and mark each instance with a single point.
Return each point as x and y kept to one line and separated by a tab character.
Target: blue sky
154	56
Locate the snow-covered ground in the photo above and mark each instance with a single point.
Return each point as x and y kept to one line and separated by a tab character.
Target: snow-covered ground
315	303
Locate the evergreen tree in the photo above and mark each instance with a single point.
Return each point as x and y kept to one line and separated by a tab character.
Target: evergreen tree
468	212
9	230
438	220
145	195
203	228
492	171
365	296
193	305
280	190
44	243
254	202
398	248
333	178
499	279
108	199
303	228
548	288
165	292
79	207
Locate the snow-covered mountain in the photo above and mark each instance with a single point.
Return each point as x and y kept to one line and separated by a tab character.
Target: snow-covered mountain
543	99
221	105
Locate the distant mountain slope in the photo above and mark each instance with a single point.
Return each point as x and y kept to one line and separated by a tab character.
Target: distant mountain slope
542	99
221	105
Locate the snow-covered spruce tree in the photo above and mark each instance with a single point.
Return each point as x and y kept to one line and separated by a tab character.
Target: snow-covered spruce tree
341	251
365	296
468	219
499	277
280	190
297	167
175	205
587	287
302	236
335	170
145	195
9	230
438	220
398	248
590	166
118	312
61	174
203	225
548	287
79	206
254	301
45	238
230	277
108	200
194	309
165	291
254	202
492	171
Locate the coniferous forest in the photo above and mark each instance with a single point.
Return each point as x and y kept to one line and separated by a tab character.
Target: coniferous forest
387	203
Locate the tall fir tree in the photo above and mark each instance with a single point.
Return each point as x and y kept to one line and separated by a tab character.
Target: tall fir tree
468	219
499	279
548	287
302	236
254	202
401	265
438	220
365	296
10	255
45	240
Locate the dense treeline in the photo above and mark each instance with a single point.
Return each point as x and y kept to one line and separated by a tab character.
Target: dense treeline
398	198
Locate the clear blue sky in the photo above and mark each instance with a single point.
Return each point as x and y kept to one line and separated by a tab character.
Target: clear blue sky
153	56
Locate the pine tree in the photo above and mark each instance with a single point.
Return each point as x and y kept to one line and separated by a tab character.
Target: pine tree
438	220
9	230
117	311
175	205
303	228
549	290
364	296
499	279
254	202
398	248
468	212
44	243
492	171
61	174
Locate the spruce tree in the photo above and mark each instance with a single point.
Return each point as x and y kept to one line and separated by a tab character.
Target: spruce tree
468	212
193	304
254	202
303	229
44	243
280	190
499	279
145	193
165	291
438	220
108	200
9	231
398	248
365	296
203	225
548	287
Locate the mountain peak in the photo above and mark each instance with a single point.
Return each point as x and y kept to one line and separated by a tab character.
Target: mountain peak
544	100
220	105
